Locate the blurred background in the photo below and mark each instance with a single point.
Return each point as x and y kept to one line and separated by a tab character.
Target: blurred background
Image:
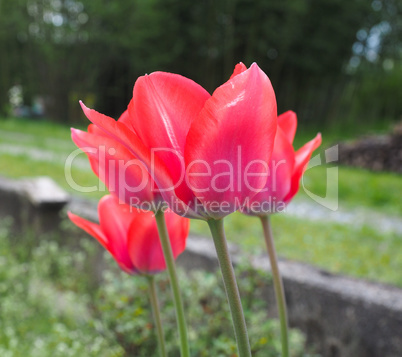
332	61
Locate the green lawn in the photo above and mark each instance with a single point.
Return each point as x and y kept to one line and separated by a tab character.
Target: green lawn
37	127
340	248
359	188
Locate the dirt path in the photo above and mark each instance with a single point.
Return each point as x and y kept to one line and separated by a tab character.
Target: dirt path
357	217
43	155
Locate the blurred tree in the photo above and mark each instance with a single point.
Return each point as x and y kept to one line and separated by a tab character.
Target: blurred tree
40	42
303	46
375	68
317	53
14	64
126	40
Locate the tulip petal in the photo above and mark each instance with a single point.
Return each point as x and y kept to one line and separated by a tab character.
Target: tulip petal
178	228
91	228
144	243
123	174
121	133
239	68
288	123
115	219
165	106
233	135
190	202
281	166
125	118
302	158
157	169
111	127
95	231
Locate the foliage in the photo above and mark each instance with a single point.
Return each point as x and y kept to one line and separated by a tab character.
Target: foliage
377	90
123	306
65	50
40	314
49	307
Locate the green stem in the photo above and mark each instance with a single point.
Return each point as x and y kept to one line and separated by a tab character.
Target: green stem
278	284
232	291
174	283
157	315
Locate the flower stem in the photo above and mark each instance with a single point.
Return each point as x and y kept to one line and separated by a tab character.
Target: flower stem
174	283
232	291
157	316
278	284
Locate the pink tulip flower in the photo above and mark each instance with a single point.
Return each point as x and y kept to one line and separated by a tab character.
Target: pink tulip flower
131	236
207	153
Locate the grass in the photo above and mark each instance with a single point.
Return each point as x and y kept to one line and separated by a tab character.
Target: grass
17	166
36	127
52	138
38	317
339	248
359	188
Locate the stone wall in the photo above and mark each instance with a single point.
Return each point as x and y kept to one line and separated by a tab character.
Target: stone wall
341	316
377	152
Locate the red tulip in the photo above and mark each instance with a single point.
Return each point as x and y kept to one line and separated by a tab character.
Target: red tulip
207	154
286	168
131	236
